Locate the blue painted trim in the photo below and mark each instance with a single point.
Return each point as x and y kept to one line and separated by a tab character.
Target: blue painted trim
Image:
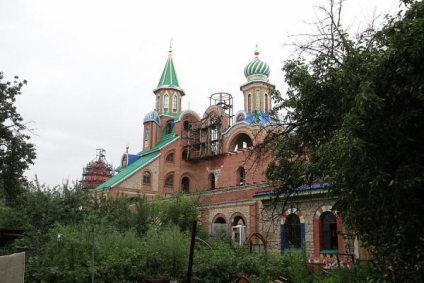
283	237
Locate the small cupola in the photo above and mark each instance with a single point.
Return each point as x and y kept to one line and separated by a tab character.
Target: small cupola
257	70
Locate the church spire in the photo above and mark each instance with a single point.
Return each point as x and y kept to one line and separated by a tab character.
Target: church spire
168	92
169	76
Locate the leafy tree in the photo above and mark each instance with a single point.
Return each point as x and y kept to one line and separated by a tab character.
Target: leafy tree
167	251
16	153
355	112
180	211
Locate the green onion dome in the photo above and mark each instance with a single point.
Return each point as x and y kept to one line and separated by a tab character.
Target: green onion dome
256	69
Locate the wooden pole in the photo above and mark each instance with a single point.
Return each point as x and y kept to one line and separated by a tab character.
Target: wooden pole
190	259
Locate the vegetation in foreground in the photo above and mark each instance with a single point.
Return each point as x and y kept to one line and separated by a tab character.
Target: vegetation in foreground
70	238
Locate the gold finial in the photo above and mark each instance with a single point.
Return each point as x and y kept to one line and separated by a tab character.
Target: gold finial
256	51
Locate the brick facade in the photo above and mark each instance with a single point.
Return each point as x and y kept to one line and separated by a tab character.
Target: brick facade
212	156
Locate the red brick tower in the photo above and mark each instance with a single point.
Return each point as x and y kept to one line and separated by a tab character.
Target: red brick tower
96	172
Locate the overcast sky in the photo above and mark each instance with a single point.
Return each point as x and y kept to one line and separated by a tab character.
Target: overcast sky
92	65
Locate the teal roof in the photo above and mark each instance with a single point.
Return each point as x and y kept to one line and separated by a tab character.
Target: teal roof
146	156
169	76
127	171
257	67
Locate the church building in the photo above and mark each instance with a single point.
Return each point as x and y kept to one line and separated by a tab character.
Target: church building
211	156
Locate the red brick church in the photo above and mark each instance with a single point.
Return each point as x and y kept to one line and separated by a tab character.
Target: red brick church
211	156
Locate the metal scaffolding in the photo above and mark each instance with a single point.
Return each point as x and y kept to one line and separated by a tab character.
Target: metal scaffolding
203	139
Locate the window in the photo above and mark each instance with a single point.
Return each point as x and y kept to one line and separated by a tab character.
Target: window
249	103
219	227
174	103
169	181
214	141
241	176
165	103
242	141
328	231
212	181
266	103
186	125
169	125
170	158
293	231
146	134
258	100
185	184
146	178
157	102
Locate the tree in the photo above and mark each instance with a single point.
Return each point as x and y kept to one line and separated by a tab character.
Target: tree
16	152
355	114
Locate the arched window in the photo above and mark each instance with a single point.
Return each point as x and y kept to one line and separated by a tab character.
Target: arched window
170	158
165	103
185	184
186	125
266	103
249	103
174	103
242	141
146	178
328	231
241	176
211	181
157	103
219	227
169	181
293	239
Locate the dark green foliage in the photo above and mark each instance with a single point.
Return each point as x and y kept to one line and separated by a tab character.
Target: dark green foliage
357	110
16	153
130	240
221	262
167	251
64	227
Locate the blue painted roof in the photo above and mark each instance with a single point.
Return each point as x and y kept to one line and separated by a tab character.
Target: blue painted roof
302	189
132	158
152	116
259	118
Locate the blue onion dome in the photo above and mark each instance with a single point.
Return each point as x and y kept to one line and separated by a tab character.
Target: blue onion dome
152	116
257	69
